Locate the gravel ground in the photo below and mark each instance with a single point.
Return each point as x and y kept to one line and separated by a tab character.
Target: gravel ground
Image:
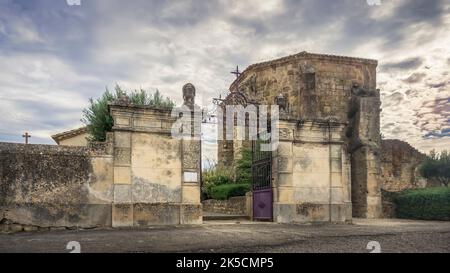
229	236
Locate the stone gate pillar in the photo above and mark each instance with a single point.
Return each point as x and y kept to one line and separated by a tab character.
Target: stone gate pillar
156	175
311	170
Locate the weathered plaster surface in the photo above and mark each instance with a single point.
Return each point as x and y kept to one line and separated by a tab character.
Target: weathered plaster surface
149	170
311	174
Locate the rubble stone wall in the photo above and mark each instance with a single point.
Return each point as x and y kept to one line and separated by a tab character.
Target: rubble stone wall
55	186
232	206
400	164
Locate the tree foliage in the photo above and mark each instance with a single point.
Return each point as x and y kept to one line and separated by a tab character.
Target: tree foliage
437	166
214	176
244	167
98	119
239	173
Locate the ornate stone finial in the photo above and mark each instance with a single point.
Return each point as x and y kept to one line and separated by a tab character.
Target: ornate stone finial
189	95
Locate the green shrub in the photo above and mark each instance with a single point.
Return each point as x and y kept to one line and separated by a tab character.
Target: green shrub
98	119
214	180
225	191
424	204
214	176
231	177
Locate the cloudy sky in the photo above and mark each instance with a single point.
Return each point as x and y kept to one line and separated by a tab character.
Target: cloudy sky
55	56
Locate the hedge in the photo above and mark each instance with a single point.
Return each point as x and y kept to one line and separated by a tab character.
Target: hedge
424	204
223	192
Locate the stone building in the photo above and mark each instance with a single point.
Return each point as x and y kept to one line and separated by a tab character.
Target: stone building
75	137
327	166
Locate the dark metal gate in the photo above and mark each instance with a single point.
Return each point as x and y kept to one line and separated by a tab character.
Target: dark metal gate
262	180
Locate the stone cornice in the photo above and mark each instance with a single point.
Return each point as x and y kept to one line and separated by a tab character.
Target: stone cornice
141	108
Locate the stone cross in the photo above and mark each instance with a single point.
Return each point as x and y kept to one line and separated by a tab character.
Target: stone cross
26	136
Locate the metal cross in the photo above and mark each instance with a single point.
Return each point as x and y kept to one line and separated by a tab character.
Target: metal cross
26	136
219	101
236	72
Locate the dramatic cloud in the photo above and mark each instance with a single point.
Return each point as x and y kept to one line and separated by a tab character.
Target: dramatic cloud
55	56
415	78
407	64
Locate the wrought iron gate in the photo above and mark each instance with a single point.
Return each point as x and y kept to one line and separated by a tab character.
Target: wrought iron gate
262	180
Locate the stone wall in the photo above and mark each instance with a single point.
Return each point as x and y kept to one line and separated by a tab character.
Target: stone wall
232	206
140	176
55	186
389	206
400	166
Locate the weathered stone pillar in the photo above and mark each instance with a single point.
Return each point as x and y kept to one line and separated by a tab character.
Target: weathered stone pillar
191	208
282	173
156	174
311	173
122	208
366	191
365	147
